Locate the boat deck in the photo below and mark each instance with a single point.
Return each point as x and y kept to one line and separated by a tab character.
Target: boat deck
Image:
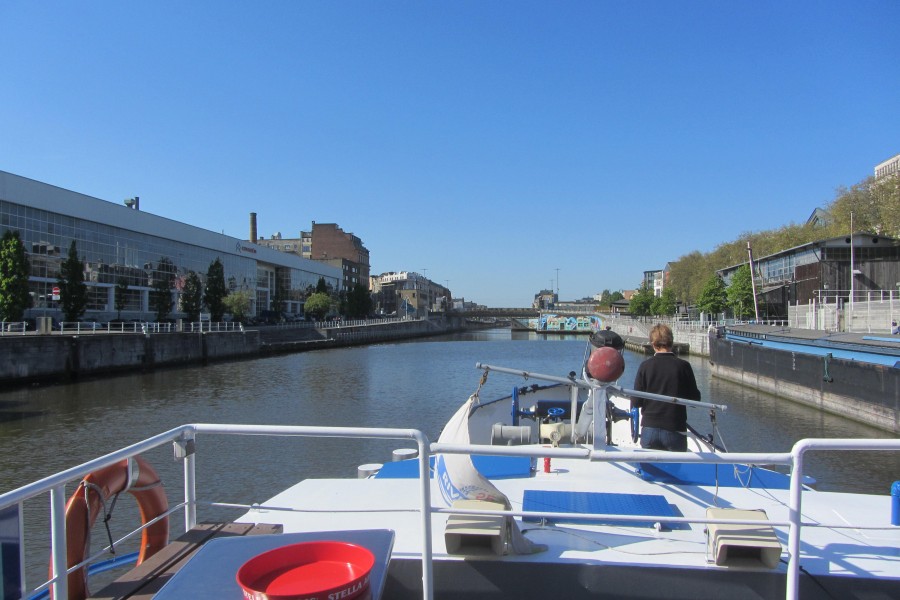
145	580
322	505
873	343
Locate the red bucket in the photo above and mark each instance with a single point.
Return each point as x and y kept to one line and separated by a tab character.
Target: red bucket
306	571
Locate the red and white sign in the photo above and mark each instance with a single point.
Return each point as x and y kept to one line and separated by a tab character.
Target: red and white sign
55	293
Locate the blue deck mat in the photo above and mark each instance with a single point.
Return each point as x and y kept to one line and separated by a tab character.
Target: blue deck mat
492	467
653	505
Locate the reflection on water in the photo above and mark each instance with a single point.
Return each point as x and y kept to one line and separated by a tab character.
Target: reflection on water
407	385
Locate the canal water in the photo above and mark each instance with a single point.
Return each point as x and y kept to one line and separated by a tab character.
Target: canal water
416	384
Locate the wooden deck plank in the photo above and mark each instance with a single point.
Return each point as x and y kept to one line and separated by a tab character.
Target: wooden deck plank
142	582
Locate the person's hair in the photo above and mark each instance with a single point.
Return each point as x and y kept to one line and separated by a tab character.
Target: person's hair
661	337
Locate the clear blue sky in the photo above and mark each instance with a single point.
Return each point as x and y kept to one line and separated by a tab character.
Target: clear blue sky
487	143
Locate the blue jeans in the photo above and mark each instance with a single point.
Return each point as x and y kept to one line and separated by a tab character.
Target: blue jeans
663	439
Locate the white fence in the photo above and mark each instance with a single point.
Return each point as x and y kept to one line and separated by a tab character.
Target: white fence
831	310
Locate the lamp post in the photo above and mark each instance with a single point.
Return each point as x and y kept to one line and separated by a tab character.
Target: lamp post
852	266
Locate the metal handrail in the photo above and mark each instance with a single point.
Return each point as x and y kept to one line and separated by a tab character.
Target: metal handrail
587	385
184	435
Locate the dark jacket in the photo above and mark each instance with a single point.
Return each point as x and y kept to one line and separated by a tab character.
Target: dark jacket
667	375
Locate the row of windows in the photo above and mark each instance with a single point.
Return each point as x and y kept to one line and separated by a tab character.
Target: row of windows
782	268
891	167
111	254
864	253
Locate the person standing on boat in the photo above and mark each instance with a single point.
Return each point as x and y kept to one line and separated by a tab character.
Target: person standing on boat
664	425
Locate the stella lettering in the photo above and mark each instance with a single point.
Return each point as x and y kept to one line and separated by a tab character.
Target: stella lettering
349	591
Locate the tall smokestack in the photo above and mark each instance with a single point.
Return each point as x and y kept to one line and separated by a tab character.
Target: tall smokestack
252	228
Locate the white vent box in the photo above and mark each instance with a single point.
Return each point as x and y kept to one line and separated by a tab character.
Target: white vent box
742	545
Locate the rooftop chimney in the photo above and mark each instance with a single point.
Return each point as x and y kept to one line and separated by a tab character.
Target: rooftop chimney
252	228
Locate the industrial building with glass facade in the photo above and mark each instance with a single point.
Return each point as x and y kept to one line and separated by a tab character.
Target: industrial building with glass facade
122	243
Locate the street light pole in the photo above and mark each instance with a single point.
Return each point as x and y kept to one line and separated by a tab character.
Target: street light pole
852	268
753	284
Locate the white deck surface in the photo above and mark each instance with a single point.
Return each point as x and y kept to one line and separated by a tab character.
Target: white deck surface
338	504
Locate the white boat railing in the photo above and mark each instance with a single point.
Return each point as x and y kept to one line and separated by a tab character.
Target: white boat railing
184	439
793	459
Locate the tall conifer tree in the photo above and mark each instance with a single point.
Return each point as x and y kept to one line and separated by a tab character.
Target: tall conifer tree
14	271
215	292
72	289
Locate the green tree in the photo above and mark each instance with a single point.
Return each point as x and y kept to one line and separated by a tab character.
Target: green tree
317	305
161	293
714	297
641	301
192	296
280	296
120	296
72	289
740	293
860	201
215	292
359	302
664	304
238	304
887	194
14	271
321	286
341	303
687	275
603	303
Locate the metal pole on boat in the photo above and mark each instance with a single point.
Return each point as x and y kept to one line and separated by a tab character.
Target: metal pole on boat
573	394
425	491
60	587
668	399
190	480
792	583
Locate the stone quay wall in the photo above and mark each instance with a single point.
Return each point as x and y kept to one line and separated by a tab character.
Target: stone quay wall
42	358
26	359
865	392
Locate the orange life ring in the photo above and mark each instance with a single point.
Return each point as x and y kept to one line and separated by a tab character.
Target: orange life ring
134	476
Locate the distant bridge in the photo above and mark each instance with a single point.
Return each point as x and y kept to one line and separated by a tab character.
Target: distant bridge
519	313
524	313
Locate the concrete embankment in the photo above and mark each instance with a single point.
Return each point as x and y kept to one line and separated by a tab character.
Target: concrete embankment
29	359
862	391
858	390
689	338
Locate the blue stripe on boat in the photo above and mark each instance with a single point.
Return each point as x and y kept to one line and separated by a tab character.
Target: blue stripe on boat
653	505
873	338
492	467
727	475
